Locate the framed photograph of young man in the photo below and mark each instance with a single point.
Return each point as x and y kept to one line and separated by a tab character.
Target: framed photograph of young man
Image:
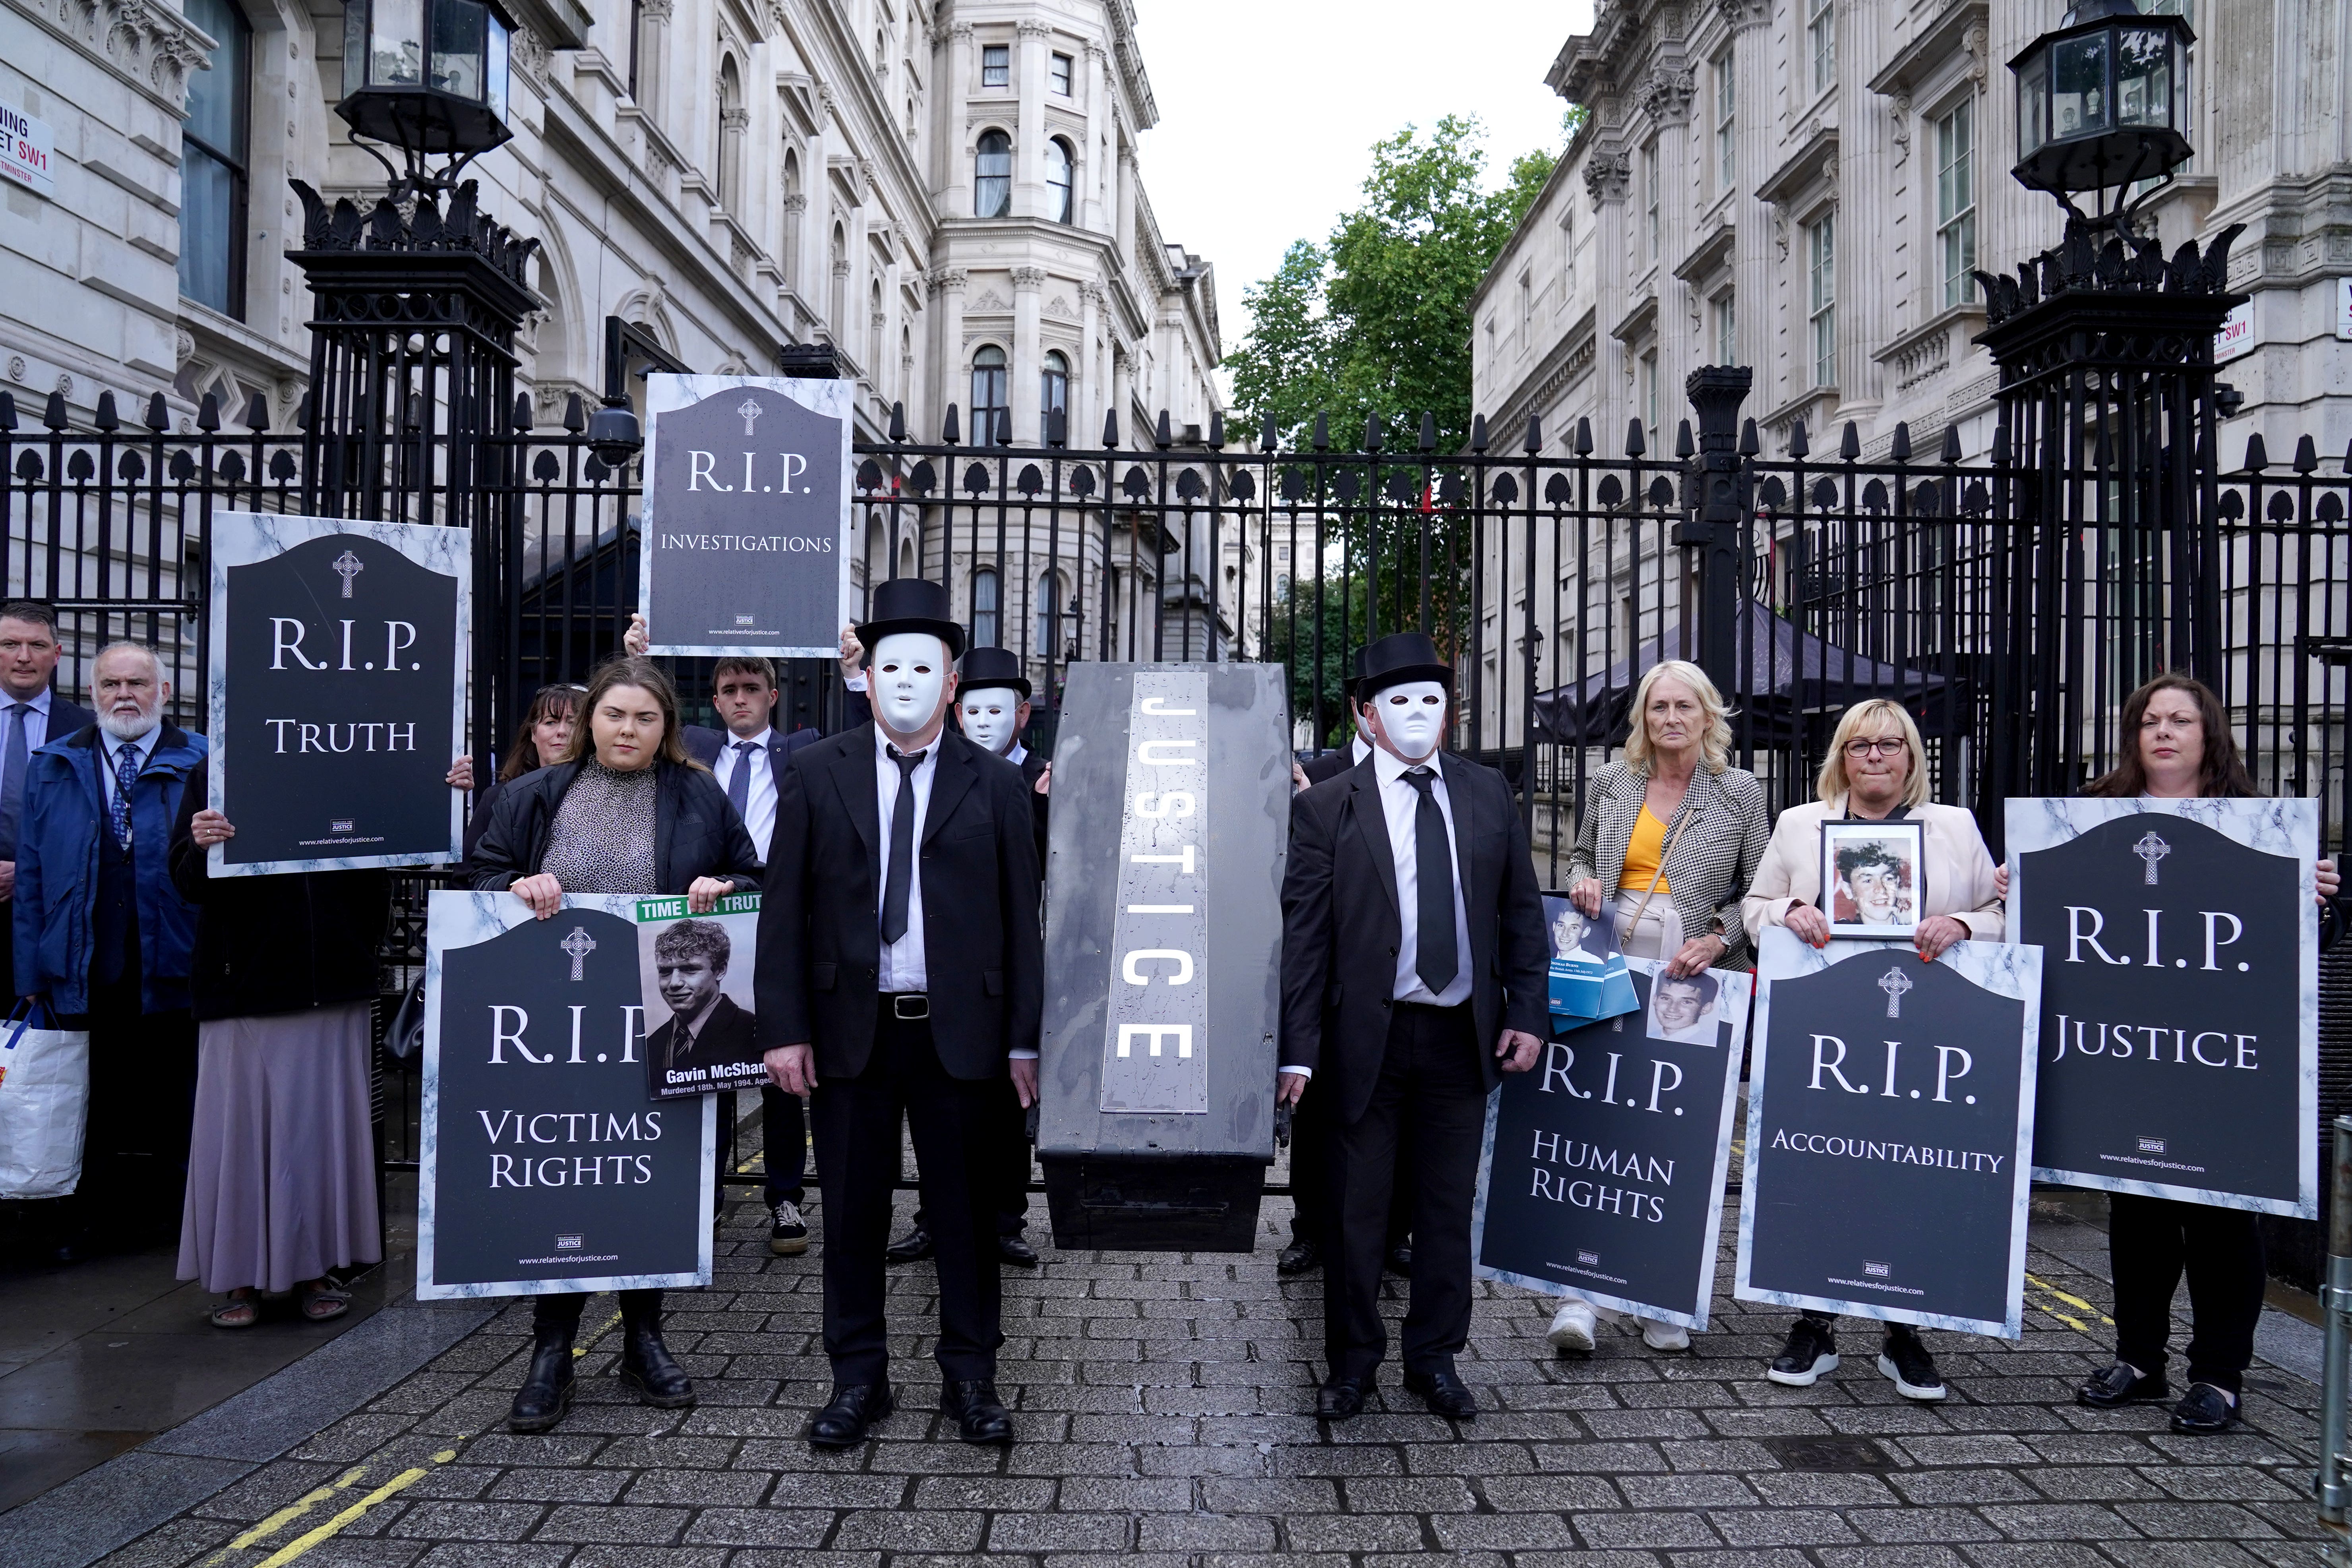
1872	879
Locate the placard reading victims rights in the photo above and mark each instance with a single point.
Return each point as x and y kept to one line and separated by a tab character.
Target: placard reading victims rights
1890	1115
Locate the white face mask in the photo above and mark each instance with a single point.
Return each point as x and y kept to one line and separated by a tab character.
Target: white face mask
992	717
1413	717
908	674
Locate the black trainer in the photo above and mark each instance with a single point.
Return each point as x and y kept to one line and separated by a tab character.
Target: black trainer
2119	1384
2204	1410
1812	1350
788	1235
1907	1361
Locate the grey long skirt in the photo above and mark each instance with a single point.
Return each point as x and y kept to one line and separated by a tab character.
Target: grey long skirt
282	1170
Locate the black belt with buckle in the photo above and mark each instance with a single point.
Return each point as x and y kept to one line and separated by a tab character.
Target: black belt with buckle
908	1005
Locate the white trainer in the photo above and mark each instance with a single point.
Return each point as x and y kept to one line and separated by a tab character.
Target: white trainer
1664	1336
1571	1327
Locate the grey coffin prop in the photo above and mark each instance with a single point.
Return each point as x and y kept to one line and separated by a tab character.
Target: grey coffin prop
1164	951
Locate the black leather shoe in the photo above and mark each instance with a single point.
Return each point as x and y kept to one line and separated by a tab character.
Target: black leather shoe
647	1367
2203	1411
2111	1387
911	1248
980	1416
1445	1393
546	1390
1300	1257
1340	1398
1016	1252
1401	1259
846	1418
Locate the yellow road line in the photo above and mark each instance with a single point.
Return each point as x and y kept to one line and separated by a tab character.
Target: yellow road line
294	1511
335	1526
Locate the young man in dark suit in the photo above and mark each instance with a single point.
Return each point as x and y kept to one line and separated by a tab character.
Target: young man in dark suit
31	716
704	1025
900	967
1413	973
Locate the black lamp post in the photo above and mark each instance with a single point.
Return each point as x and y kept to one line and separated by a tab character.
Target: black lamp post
428	76
2101	106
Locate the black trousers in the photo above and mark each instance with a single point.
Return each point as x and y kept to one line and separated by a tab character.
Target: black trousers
784	1132
142	1099
2150	1243
562	1310
1430	1098
1013	1158
955	1123
1310	1179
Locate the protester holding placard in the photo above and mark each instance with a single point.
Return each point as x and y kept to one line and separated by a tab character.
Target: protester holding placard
2179	748
627	811
1671	835
545	734
1876	773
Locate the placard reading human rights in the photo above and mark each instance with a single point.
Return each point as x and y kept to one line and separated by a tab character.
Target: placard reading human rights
745	528
338	692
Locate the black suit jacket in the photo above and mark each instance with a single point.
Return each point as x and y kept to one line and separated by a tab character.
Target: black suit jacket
702	744
1340	926
1330	765
1033	768
696	832
820	938
725	1037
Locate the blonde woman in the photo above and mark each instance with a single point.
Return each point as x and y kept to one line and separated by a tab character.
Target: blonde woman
1670	840
1876	772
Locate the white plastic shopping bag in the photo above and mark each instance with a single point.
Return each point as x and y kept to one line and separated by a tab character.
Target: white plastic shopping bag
44	1102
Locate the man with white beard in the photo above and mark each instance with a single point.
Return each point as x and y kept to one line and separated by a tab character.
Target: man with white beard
901	974
1413	972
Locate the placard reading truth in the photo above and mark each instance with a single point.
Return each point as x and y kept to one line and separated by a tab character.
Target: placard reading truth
1603	1169
745	519
1890	1114
338	676
2180	1007
546	1164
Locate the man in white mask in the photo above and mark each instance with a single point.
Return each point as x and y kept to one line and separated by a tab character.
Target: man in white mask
887	836
1411	897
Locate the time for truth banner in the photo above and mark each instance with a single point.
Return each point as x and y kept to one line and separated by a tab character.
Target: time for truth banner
338	692
1603	1169
745	527
547	1166
2180	1004
1890	1116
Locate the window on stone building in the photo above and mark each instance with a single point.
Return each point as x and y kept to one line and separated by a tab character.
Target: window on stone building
1956	201
1567	256
1650	198
985	623
996	65
213	163
636	40
731	121
991	184
1060	75
1526	311
1052	390
1650	395
1821	296
1060	180
987	393
1726	332
1049	612
1821	41
1727	143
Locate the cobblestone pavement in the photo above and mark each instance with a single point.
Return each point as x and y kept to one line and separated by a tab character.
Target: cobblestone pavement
1163	1407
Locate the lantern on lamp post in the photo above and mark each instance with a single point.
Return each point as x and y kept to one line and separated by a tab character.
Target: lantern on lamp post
2102	104
428	76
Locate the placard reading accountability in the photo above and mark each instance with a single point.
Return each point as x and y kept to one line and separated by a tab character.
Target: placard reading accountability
695	974
1603	1169
2180	1013
338	674
1890	1115
546	1164
746	521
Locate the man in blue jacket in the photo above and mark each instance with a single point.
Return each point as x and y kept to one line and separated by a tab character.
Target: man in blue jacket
104	940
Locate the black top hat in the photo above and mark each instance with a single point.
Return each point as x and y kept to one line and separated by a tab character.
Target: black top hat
1348	687
988	666
1397	659
911	605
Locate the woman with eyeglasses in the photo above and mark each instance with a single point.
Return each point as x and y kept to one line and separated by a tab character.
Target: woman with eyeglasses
1876	772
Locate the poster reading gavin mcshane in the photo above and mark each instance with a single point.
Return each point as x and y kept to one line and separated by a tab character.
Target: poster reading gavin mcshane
745	529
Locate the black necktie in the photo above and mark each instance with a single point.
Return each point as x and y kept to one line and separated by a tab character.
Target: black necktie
13	762
739	782
899	879
1436	957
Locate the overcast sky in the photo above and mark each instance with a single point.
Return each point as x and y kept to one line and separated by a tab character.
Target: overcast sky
1268	109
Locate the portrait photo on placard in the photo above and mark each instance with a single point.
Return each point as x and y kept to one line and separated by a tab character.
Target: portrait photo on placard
695	970
1577	938
1686	1008
1872	877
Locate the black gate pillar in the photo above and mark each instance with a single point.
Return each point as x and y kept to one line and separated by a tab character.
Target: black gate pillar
1712	505
412	388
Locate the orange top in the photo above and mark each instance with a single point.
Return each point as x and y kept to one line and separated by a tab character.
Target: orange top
1641	854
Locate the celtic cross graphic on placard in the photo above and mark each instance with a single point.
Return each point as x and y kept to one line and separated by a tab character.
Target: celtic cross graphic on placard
579	944
2150	848
751	410
348	566
1895	982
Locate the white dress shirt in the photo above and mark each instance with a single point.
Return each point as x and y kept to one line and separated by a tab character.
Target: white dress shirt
1017	755
1400	803
111	750
1357	750
760	801
902	960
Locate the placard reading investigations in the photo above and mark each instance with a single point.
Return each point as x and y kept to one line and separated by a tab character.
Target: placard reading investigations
1890	1115
746	520
2180	1007
546	1165
1603	1168
346	643
696	972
